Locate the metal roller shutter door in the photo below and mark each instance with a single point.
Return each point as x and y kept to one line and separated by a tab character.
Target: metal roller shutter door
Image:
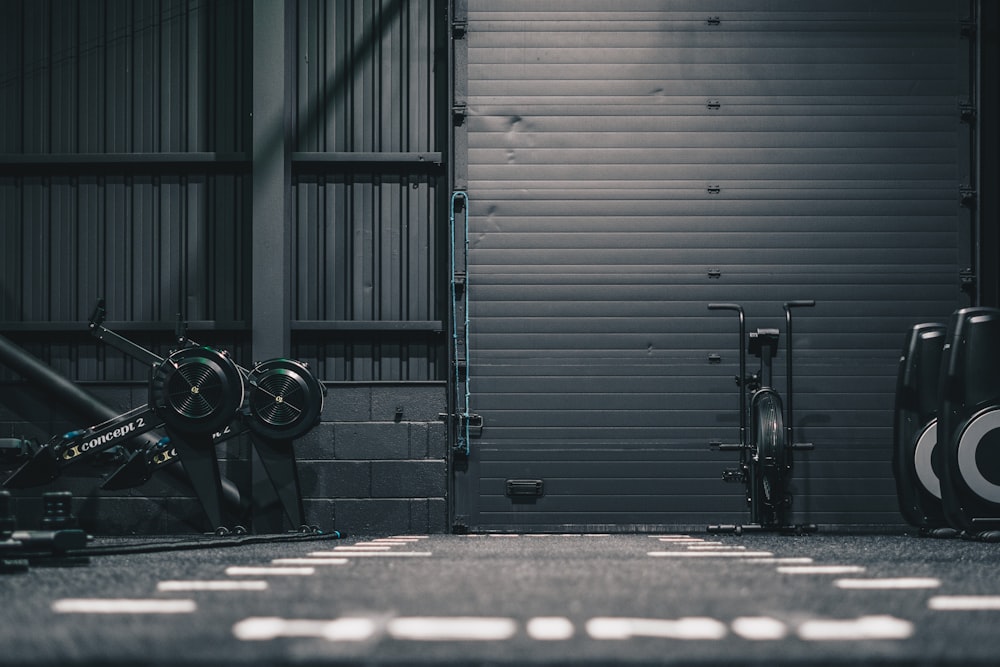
629	166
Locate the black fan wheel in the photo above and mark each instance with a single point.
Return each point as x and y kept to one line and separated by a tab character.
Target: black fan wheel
285	399
768	432
196	390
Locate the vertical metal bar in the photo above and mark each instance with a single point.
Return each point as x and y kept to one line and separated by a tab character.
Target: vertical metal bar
271	183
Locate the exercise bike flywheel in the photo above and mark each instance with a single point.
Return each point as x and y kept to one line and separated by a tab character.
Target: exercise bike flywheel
769	438
285	399
196	390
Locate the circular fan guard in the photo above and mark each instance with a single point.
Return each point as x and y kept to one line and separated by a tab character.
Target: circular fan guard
769	438
196	390
285	399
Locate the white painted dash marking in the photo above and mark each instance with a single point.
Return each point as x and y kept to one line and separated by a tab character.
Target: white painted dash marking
349	629
787	560
369	554
710	554
715	547
550	628
901	583
308	561
223	585
820	569
863	628
616	628
460	628
681	539
759	628
393	540
361	547
255	571
123	606
965	603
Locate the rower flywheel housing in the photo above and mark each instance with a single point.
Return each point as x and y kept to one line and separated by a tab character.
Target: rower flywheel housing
196	390
285	399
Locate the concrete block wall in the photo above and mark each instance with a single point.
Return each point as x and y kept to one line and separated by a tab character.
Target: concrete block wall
377	463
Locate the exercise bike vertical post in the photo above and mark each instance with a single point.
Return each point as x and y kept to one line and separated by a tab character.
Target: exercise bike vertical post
741	380
809	303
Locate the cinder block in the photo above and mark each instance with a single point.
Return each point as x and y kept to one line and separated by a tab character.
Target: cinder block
317	444
346	403
408	479
411	403
320	513
372	516
437	515
428	516
372	440
437	440
335	479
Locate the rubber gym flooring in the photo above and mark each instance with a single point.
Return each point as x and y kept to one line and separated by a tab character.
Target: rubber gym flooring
692	599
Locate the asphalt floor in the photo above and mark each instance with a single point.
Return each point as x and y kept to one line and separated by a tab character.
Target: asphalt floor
663	599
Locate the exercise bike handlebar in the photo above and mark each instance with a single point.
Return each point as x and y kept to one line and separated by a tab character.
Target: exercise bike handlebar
743	366
725	306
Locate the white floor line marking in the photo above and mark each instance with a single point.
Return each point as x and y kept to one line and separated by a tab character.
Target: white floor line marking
460	628
712	547
759	628
820	569
123	606
223	585
866	627
309	561
682	540
550	628
965	603
409	537
901	583
392	540
781	561
369	554
697	628
361	547
253	571
710	554
266	628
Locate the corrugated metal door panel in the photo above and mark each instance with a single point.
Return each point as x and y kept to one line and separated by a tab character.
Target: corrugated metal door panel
628	167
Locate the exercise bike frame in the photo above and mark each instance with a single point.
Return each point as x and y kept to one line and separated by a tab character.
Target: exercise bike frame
766	439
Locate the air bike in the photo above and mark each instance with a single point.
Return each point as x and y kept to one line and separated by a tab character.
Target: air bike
199	397
765	448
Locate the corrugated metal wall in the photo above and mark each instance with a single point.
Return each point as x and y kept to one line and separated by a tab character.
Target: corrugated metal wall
368	254
123	131
628	166
124	160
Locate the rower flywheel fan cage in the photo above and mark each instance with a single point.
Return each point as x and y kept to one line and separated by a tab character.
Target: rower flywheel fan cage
196	390
285	399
